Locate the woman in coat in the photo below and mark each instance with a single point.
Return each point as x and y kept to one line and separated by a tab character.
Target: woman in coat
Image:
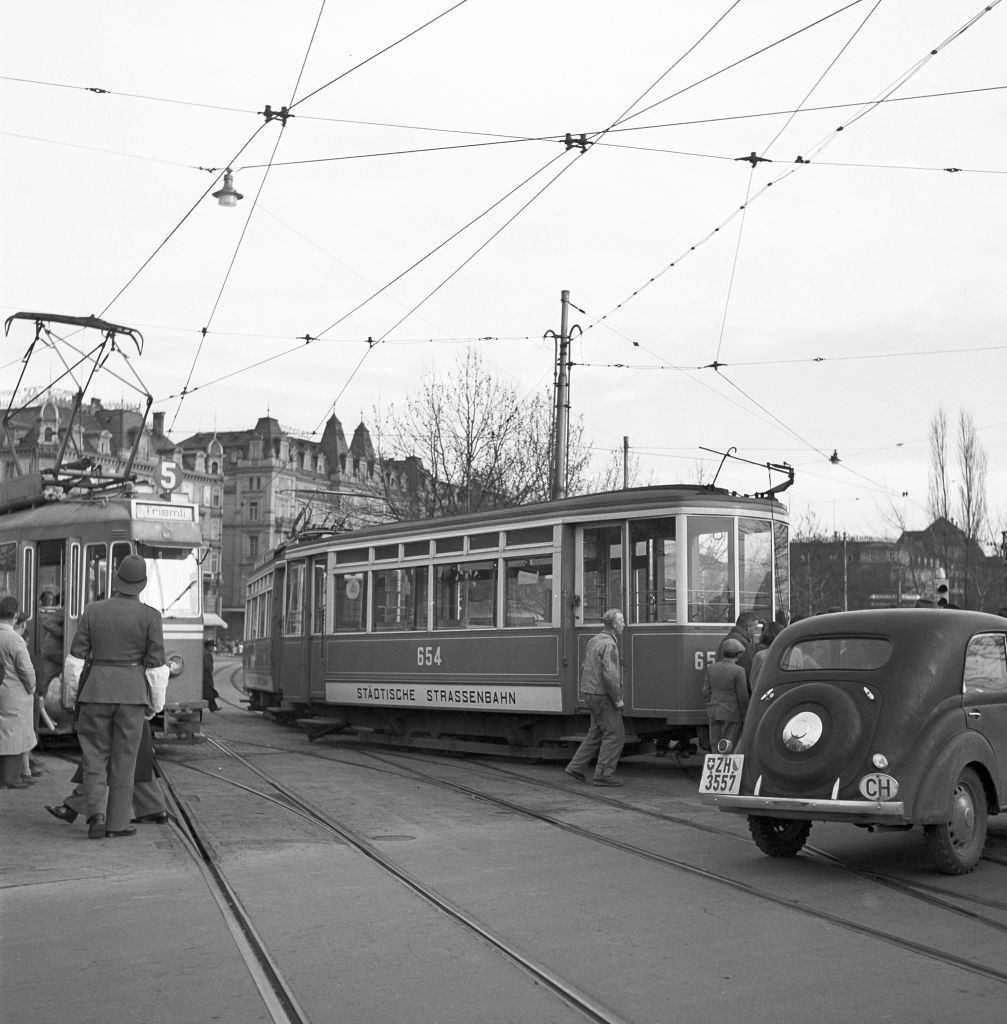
17	701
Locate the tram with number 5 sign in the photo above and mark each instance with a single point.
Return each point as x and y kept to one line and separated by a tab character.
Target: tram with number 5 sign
65	527
468	632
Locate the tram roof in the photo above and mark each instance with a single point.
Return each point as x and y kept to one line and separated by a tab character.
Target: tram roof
663	498
73	514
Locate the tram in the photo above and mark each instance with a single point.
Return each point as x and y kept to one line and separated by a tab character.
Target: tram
64	529
468	632
60	551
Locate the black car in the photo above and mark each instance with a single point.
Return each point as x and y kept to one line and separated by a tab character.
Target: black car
887	719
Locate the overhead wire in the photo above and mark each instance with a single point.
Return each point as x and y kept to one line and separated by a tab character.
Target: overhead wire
244	228
562	171
801	163
379	53
744	60
751	176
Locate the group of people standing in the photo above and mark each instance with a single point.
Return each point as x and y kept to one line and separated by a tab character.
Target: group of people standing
120	643
731	678
726	691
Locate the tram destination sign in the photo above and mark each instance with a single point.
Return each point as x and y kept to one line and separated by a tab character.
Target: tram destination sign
161	512
456	696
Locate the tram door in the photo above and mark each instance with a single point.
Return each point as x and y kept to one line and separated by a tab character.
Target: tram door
48	636
314	657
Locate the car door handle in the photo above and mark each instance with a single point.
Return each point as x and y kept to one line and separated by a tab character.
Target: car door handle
974	714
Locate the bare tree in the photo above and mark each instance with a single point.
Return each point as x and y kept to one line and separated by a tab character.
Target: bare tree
972	466
473	443
939	484
963	504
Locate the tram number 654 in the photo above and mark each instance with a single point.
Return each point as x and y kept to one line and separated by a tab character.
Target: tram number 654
426	656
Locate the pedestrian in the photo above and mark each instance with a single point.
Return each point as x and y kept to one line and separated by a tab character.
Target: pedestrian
601	685
210	694
148	799
771	631
30	768
744	632
17	698
725	693
119	638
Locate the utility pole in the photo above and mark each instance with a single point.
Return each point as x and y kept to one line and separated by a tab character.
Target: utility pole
625	462
561	434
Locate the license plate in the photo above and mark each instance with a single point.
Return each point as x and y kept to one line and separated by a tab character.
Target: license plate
722	774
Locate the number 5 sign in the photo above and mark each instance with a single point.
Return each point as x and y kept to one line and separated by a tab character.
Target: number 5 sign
169	476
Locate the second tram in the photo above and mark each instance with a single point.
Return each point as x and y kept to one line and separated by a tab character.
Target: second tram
468	632
59	549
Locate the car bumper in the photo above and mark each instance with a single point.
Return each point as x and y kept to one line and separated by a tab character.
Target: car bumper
866	811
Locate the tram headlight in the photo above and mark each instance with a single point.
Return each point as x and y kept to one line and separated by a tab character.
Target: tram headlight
175	664
879	761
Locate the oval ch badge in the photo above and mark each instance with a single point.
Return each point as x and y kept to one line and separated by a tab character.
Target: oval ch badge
878	787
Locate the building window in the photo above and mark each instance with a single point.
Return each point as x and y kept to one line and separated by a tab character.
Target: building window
215	499
253	511
253	546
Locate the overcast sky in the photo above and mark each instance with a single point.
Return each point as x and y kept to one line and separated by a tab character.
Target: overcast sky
423	197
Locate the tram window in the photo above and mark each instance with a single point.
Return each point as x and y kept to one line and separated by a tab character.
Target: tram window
483	541
350	612
293	611
755	567
352	555
781	544
386	552
318	571
602	570
655	565
415	548
95	572
529	591
8	567
711	569
465	595
28	580
74	588
448	544
173	578
400	598
530	535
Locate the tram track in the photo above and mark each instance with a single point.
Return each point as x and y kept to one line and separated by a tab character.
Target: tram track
393	762
276	994
929	894
579	1001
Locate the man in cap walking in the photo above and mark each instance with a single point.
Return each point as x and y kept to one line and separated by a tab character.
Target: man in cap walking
118	638
601	684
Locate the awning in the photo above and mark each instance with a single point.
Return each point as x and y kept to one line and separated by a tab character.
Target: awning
210	619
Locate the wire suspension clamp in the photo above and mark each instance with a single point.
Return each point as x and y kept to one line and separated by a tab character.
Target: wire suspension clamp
282	114
576	141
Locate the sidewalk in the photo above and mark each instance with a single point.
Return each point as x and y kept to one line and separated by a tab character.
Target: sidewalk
116	929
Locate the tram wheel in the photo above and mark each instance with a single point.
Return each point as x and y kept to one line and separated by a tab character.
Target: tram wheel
956	845
778	837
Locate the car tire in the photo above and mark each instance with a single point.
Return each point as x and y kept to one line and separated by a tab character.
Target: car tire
778	837
956	845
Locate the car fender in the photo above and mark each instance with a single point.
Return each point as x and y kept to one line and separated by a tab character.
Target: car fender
931	800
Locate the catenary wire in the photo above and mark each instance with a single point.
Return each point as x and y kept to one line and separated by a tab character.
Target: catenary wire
743	60
374	56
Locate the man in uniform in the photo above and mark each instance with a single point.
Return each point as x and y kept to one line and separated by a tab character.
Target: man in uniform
119	638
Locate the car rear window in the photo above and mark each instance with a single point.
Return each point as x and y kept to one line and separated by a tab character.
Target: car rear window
849	653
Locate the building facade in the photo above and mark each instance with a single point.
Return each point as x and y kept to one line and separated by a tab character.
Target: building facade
931	566
275	482
99	440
